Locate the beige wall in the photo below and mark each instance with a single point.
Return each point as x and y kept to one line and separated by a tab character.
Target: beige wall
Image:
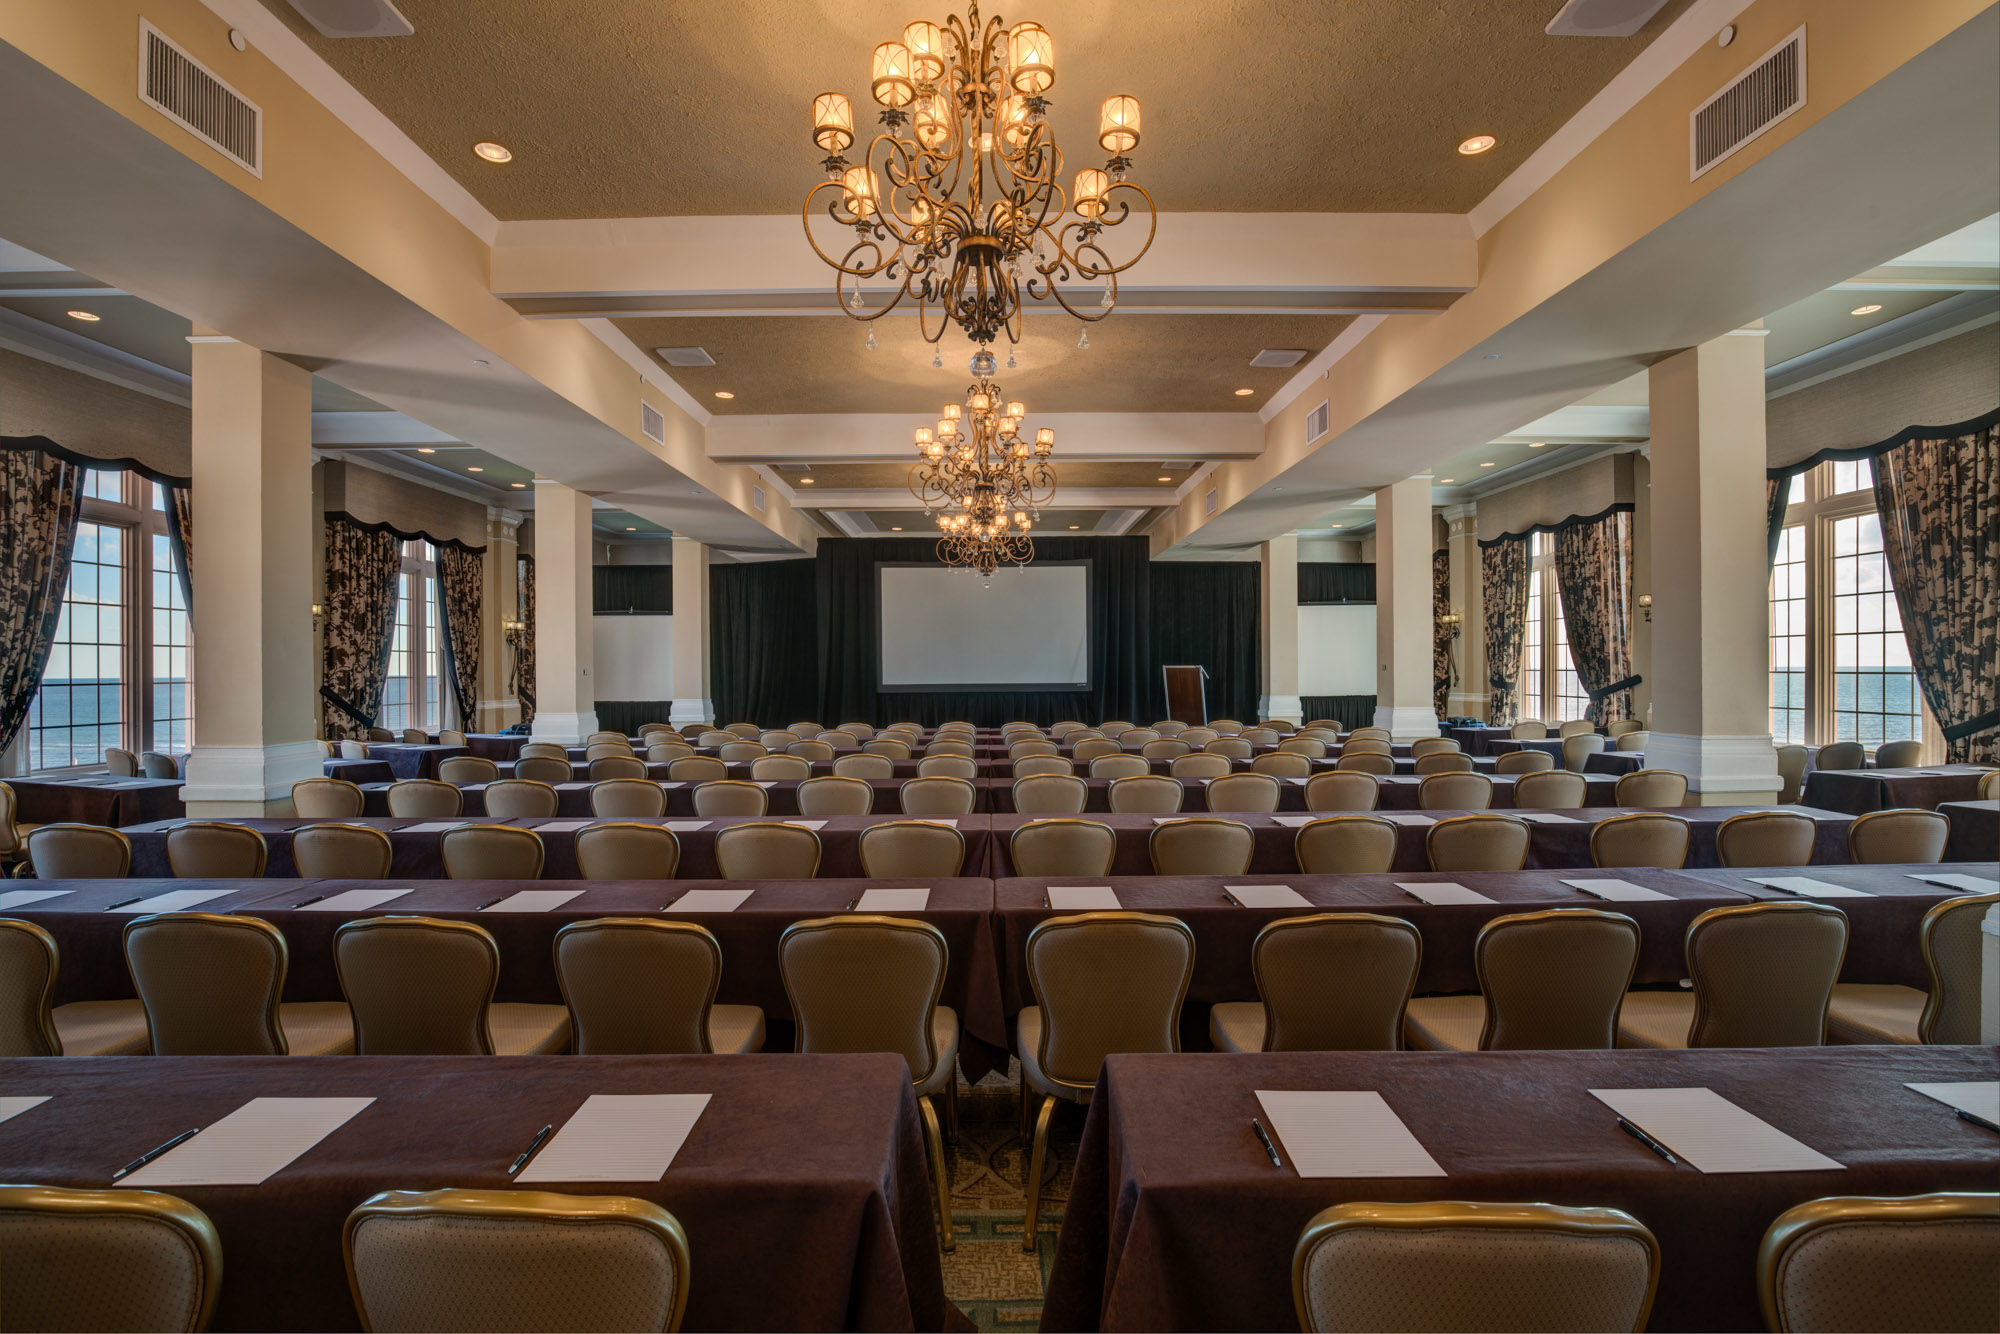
1947	382
1586	489
377	497
93	416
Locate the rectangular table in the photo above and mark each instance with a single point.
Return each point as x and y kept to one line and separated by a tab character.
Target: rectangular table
1975	830
573	798
1475	740
96	799
412	761
358	771
1614	762
803	1187
1547	745
1858	791
1398	792
1177	1220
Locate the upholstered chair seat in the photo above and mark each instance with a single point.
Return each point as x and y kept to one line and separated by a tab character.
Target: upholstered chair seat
28	1027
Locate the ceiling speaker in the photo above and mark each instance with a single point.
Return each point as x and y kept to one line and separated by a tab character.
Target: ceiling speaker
354	18
1595	18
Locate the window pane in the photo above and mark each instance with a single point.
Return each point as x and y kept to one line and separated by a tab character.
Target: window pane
1875	694
171	720
79	709
102	484
1788	637
1571	698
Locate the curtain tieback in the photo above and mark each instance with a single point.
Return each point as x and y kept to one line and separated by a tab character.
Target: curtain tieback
327	693
1973	727
1597	696
527	697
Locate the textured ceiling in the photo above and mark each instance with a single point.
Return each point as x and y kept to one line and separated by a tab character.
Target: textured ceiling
1135	362
896	476
645	108
918	524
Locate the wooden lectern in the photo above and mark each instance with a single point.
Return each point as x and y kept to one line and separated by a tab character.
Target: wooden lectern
1187	694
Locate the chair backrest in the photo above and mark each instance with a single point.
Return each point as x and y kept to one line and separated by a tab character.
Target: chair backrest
1554	980
326	749
606	750
1369	734
863	731
938	796
1033	746
1432	745
1115	728
904	963
1346	845
120	763
508	1259
1226	726
1336	981
617	766
1889	837
711	738
1311	747
833	795
1343	790
703	769
1550	790
1624	725
1170	727
892	747
1631	740
1258	736
1203	765
1651	787
1792	772
1763	973
1766	838
1198	736
1366	745
10	834
462	769
1117	766
865	767
1243	792
1523	762
1050	794
210	983
1364	761
626	851
1576	727
1088	750
1235	747
743	729
1282	764
28	965
787	768
492	852
350	749
522	798
1440	1265
425	797
1477	843
541	769
1529	730
804	730
1989	785
1107	982
1455	792
1647	838
155	765
1154	793
777	738
1135	737
327	799
416	736
342	852
606	734
1950	937
740	752
1201	846
1849	1265
813	751
767	851
106	1259
1166	748
1062	847
1899	754
216	850
728	796
911	848
839	738
79	852
1443	762
548	750
417	986
637	985
955	766
666	752
628	799
1841	755
962	749
1579	746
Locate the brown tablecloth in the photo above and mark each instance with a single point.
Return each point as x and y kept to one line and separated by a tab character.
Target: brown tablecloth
1975	830
97	799
1177	1220
1507	746
803	1187
1475	740
408	761
358	771
1859	791
418	853
1565	843
573	798
1614	762
1398	792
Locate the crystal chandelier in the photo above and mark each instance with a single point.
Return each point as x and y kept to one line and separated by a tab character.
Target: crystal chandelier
963	118
984	476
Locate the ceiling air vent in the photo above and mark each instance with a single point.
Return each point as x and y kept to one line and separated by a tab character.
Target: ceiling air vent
177	86
1757	99
1278	358
757	498
652	423
685	356
1597	18
1316	423
354	18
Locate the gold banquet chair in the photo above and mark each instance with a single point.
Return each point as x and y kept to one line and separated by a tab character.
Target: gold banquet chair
1651	787
953	766
1202	765
741	752
1366	762
1549	790
1329	982
106	1259
1477	843
833	795
1062	848
211	985
937	796
1432	745
544	750
1899	754
423	986
1578	747
1857	1264
1245	792
492	852
1763	976
1166	748
767	851
1444	1265
327	799
79	852
912	848
1766	838
1050	794
618	850
1524	762
1282	764
1118	766
1442	762
522	798
728	796
216	850
1343	791
628	799
1346	845
698	769
1529	729
617	766
1145	793
891	748
1946	1014
463	1260
1842	755
783	769
1454	792
1548	981
461	770
342	852
1234	747
813	751
1792	773
425	797
1896	837
538	769
868	768
640	986
1201	845
1644	838
29	1026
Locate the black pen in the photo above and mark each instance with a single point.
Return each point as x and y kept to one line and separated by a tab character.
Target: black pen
481	907
1227	897
1647	1140
850	904
1265	1139
314	899
1977	1119
151	1154
126	903
1045	900
529	1152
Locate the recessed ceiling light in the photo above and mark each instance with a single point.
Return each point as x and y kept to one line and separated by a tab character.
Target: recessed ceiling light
1858	310
1485	465
807	481
896	529
89	318
493	152
631	530
1340	525
1538	444
724	393
1073	527
1165	477
1245	393
1446	481
519	486
425	449
475	468
1477	144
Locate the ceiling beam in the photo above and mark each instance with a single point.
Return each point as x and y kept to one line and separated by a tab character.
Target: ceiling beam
886	437
1068	498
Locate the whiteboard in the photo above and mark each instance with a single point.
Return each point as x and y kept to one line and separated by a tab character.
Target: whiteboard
1337	649
632	657
1028	629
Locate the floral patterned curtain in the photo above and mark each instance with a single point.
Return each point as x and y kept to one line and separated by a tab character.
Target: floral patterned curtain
180	536
1441	667
1593	561
1940	504
1503	576
1777	488
523	684
362	563
461	589
39	497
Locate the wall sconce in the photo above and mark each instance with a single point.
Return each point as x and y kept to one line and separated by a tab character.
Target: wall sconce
319	617
1646	606
1453	622
513	631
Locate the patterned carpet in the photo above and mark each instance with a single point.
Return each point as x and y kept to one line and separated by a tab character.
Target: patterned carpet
989	1276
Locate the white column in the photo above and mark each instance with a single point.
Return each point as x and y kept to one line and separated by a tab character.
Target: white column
1471	695
498	710
1280	597
252	632
691	698
565	696
1711	655
1403	616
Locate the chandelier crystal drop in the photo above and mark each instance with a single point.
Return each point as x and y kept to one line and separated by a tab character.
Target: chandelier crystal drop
961	193
984	476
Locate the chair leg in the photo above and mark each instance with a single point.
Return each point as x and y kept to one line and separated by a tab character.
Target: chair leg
1036	1162
948	1239
951	1109
1027	1111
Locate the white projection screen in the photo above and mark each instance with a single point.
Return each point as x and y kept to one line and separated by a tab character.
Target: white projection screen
1337	649
942	631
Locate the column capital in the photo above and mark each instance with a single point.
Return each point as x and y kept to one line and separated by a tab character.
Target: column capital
1463	525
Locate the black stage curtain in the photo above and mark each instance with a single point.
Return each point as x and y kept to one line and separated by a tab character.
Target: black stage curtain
632	589
1321	582
762	663
1350	711
850	645
1205	614
629	715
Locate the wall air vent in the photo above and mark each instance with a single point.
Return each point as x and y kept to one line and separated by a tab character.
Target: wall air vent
1316	423
652	423
757	498
1208	504
1752	103
180	88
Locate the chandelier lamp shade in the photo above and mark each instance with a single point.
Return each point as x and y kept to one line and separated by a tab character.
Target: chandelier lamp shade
984	476
960	203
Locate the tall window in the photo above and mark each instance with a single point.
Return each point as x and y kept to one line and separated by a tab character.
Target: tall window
80	708
1875	695
410	695
1550	688
1788	637
1531	645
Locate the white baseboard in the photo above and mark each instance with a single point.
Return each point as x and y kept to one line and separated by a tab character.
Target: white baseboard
568	729
1407	722
244	775
1738	765
687	711
1285	708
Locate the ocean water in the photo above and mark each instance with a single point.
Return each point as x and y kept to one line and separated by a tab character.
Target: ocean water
1869	706
73	721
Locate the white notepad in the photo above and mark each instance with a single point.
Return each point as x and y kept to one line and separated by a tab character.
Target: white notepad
814	825
1807	887
1268	896
1174	819
562	826
1084	898
1406	817
1712	1133
948	824
1442	892
21	898
767	782
533	900
1345	1135
1296	821
686	826
433	827
1544	817
1950	880
1616	891
174	900
1980	1097
668	787
709	900
357	900
1300	781
12	1107
575	786
1401	778
892	900
619	1137
251	1144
